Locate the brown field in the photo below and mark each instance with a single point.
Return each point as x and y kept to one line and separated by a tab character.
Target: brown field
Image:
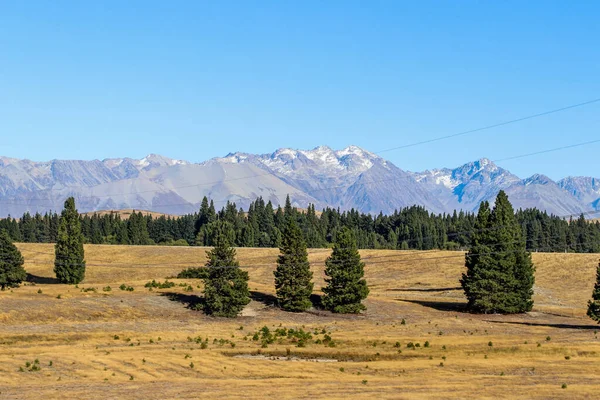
134	344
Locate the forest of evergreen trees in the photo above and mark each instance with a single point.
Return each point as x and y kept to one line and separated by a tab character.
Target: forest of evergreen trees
262	226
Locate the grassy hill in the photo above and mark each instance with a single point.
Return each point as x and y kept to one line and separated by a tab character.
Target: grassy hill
118	343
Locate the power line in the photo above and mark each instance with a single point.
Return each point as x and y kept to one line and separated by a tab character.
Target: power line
548	150
512	121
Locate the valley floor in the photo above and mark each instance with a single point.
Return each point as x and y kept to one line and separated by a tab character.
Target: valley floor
142	344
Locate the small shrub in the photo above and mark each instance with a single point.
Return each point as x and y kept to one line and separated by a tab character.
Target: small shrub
160	285
193	273
403	322
490	344
426	344
342	369
107	289
567	357
39	291
548	338
564	386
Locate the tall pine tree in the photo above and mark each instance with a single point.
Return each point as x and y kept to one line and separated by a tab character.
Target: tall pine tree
293	276
226	287
69	263
500	274
346	287
11	263
593	310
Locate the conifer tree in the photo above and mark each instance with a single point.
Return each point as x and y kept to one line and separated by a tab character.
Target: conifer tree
500	274
69	263
293	276
226	287
11	263
346	287
593	310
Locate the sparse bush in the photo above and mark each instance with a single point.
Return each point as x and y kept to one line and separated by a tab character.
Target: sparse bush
160	285
193	273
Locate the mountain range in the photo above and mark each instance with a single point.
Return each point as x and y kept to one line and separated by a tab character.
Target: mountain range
347	178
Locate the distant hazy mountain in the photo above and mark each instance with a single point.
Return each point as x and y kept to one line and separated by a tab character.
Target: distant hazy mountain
348	178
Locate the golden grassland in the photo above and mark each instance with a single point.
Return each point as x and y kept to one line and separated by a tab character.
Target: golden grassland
136	344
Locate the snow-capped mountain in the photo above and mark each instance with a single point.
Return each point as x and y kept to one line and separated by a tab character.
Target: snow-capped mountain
584	189
347	178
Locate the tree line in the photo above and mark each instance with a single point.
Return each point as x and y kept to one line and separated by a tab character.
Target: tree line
262	225
225	283
499	275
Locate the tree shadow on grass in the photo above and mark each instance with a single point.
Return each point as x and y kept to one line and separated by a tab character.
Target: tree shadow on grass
265	298
560	326
41	279
271	300
446	289
191	301
439	305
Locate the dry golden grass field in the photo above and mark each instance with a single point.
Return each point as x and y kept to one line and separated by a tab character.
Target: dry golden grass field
142	343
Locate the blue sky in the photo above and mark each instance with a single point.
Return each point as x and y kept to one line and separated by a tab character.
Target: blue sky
198	79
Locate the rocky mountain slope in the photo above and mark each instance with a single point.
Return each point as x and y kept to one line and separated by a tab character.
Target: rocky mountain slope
348	178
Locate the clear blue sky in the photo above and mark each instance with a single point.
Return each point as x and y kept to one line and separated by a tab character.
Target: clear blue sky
198	79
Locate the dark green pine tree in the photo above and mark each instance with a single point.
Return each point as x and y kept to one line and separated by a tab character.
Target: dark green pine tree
500	274
69	264
593	310
293	276
11	263
226	287
346	287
